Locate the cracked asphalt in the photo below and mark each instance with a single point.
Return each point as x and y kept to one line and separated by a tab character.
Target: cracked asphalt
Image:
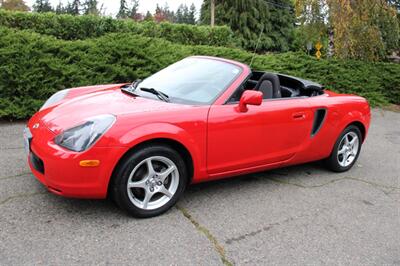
291	216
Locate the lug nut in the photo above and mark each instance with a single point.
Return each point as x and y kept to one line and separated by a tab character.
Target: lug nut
159	183
152	189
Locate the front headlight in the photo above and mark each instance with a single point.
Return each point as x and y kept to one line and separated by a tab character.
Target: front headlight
82	137
56	97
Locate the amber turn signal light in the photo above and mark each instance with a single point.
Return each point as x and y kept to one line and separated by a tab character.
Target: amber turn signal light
89	163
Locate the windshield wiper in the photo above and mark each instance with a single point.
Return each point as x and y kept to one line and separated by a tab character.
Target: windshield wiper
161	95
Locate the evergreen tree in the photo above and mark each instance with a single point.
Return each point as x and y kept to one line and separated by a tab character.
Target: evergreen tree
159	16
73	8
91	8
133	13
186	15
158	9
42	6
192	15
179	17
248	18
123	10
148	17
60	9
168	14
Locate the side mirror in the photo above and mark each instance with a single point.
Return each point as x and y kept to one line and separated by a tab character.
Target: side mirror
249	97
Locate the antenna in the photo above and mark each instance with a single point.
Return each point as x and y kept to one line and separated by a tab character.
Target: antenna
255	50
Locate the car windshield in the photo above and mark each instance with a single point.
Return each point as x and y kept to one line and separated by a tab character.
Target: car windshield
192	80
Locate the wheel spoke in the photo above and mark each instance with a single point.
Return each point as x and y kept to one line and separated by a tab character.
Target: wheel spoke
137	184
346	140
166	192
166	173
150	167
146	199
342	150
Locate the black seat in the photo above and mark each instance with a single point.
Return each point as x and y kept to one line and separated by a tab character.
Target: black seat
269	85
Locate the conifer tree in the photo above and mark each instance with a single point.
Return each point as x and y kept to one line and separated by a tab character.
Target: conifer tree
42	6
60	9
91	8
249	18
192	14
123	9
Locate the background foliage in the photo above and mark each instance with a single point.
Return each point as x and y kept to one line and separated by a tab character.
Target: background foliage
360	29
68	27
248	18
34	66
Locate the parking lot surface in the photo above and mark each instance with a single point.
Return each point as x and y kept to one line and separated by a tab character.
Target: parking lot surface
291	216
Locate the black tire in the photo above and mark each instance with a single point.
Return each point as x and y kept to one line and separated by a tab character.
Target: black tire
119	190
332	162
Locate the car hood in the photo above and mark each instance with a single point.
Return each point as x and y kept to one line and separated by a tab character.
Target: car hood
72	112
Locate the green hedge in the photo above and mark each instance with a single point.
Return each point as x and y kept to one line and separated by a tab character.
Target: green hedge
68	27
34	66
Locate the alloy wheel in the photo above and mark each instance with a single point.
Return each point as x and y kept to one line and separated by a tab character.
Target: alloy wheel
153	182
348	149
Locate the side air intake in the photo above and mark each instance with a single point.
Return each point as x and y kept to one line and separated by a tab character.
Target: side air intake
319	119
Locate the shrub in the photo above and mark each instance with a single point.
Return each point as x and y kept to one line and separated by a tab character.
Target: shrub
34	66
68	27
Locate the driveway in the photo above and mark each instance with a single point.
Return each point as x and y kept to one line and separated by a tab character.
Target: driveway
292	216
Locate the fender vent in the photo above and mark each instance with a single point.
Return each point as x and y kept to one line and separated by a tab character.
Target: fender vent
319	119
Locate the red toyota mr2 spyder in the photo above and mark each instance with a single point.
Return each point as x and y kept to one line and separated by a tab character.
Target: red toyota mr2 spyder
199	119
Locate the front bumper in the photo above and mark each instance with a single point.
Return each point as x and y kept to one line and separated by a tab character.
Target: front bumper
59	170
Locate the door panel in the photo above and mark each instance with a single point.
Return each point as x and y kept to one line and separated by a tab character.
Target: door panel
266	134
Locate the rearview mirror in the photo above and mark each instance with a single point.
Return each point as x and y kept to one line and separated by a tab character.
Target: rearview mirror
250	97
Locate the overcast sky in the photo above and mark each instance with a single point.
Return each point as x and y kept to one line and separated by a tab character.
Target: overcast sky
112	6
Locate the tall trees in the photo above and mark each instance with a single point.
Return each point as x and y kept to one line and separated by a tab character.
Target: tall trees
186	15
362	29
312	16
169	14
60	9
192	14
148	16
123	9
42	6
133	13
17	5
282	21
212	13
248	18
159	16
91	8
74	7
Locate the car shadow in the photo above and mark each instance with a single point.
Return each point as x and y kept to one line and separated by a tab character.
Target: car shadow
303	172
106	207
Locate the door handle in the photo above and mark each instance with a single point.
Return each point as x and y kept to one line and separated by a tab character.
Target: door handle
299	116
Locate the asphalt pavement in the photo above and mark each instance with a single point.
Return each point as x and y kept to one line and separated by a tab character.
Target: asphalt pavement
291	216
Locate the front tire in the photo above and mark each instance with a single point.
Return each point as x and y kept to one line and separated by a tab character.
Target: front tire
346	150
149	181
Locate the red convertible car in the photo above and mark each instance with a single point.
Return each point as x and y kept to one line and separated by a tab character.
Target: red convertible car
200	119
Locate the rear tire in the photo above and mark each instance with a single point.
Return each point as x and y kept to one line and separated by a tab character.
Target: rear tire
149	181
346	150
